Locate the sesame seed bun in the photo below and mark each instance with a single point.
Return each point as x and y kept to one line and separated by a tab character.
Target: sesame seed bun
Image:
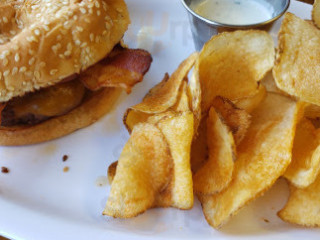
43	42
92	109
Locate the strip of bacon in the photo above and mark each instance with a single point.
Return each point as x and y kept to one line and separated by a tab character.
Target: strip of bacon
123	68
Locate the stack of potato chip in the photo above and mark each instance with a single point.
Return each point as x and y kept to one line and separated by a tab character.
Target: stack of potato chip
154	167
229	132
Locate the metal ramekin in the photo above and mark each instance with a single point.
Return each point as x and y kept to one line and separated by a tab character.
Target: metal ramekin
203	29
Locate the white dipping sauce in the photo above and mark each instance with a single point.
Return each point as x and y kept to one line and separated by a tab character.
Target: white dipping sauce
233	12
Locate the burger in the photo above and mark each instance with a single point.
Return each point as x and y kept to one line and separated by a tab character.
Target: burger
62	66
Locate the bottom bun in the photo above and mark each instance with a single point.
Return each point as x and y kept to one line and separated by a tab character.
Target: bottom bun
90	111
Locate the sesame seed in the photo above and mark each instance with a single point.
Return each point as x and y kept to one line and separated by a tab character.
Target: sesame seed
97	4
32	39
17	57
77	42
53	72
37	32
98	13
91	37
67	53
46	27
37	74
80	29
54	49
31	61
14	70
6	73
83	10
5	19
42	64
108	26
12	32
5	62
22	69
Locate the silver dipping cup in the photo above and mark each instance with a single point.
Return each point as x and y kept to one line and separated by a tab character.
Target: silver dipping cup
203	29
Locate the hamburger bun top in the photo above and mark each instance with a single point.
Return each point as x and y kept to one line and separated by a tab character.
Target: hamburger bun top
44	41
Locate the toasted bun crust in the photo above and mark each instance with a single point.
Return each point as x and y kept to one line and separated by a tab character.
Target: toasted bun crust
45	41
92	109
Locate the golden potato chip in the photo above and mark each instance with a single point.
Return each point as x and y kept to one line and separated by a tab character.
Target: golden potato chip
178	132
216	173
316	13
232	63
305	165
237	120
199	147
161	97
297	67
252	102
112	171
132	117
262	157
165	94
144	170
303	206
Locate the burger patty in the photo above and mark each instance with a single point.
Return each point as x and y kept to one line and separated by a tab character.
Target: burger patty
39	106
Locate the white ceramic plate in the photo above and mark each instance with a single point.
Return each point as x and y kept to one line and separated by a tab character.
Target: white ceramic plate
39	201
